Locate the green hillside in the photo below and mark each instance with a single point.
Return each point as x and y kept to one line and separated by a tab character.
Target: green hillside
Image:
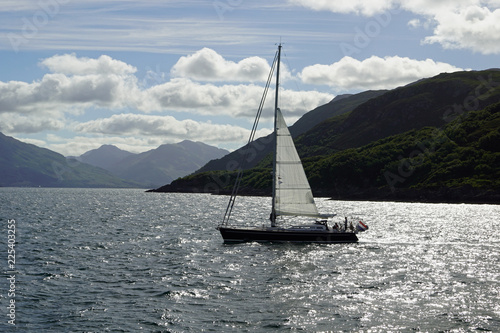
460	162
464	156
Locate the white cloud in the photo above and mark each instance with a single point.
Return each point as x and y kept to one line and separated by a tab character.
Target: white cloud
60	92
36	142
107	83
294	103
208	99
72	65
232	100
414	23
458	24
166	127
373	73
208	65
76	85
431	8
364	7
16	123
475	28
370	8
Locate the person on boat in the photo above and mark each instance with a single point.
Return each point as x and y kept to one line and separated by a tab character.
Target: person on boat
345	224
323	222
351	227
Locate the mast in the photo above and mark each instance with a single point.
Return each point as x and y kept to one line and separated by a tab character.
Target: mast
273	210
244	157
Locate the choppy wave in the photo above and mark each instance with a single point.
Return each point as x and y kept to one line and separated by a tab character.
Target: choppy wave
125	260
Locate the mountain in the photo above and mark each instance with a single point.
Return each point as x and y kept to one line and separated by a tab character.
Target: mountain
433	140
339	105
104	157
154	167
429	102
23	164
160	166
459	163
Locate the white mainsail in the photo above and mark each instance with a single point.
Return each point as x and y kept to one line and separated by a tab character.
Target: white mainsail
293	194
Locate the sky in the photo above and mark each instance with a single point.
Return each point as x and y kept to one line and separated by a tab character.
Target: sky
137	74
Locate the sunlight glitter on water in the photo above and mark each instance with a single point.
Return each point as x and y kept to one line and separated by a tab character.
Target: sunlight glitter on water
98	260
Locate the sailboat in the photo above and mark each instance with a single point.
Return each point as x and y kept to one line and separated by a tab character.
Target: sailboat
291	193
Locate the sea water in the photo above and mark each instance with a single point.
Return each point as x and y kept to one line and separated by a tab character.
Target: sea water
97	260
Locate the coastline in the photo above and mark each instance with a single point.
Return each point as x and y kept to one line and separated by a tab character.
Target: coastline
460	195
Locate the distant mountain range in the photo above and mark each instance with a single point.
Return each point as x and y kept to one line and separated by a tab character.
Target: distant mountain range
104	157
23	164
436	139
155	167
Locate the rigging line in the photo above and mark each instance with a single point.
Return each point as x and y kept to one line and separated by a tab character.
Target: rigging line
239	176
251	138
259	113
262	101
244	161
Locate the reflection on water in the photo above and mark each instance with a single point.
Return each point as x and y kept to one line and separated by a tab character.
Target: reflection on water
97	260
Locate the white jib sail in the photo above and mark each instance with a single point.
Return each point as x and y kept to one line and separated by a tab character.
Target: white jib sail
293	193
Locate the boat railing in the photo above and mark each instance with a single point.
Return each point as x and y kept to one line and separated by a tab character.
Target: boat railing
243	226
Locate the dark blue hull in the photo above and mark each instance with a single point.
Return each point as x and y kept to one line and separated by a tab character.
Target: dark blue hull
283	235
